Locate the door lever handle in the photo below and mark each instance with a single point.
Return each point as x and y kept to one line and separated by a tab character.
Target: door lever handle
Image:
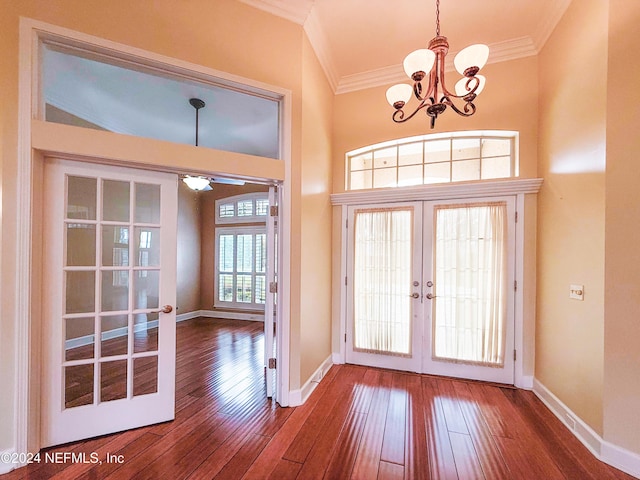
430	296
165	309
415	295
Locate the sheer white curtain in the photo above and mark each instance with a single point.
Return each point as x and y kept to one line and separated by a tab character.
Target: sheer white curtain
382	280
470	283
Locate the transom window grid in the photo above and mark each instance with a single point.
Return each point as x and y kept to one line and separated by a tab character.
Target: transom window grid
241	266
246	208
438	159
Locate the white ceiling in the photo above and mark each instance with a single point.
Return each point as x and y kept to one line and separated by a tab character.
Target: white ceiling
361	43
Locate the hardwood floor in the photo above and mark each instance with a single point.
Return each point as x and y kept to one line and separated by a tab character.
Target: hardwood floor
360	423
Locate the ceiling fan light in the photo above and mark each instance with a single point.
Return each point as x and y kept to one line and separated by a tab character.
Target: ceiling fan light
470	57
196	183
400	93
461	85
419	61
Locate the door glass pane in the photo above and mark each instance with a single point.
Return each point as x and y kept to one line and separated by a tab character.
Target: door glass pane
113	380
145	336
261	292
382	281
115	246
81	245
81	198
145	375
114	335
147	288
78	385
147	203
115	198
80	292
470	284
115	290
147	247
79	338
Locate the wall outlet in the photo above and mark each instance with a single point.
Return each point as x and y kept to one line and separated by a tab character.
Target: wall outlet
576	292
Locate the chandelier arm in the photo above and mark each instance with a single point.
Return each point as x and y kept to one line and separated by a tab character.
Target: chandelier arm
469	107
398	115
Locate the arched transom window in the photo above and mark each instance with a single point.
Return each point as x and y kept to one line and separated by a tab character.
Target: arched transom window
438	158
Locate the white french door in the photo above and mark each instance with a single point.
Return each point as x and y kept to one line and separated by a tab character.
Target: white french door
109	296
430	287
270	308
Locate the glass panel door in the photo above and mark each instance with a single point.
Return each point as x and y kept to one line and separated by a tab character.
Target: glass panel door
384	284
109	327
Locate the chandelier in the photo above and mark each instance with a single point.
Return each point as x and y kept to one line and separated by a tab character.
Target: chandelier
428	65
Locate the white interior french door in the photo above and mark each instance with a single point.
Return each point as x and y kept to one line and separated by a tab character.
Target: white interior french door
430	287
109	292
270	308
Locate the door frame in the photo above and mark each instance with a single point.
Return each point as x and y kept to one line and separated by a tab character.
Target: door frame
31	154
519	188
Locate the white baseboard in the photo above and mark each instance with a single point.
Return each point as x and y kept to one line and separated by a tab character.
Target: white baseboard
188	316
620	458
253	317
298	397
115	333
7	467
525	382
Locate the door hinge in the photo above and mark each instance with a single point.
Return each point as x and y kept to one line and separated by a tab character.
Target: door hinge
345	280
273	211
273	287
346	223
514	356
515	286
516	217
272	363
345	338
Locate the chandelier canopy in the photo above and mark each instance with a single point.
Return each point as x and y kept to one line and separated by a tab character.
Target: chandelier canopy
427	65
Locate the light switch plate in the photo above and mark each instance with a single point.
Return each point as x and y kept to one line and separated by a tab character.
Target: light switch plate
576	292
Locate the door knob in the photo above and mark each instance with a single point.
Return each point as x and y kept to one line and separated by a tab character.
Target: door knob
415	295
167	309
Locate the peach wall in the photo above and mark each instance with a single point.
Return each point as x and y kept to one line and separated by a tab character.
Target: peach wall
315	275
622	255
569	342
188	273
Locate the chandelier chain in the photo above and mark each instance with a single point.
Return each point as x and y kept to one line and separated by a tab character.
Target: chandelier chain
437	18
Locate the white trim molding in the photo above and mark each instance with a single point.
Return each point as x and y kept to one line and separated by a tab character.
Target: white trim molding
298	397
618	457
227	315
439	192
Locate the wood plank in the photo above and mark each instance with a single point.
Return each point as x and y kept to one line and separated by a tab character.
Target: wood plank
344	455
390	471
451	407
441	458
395	426
243	459
285	470
416	464
464	454
367	460
486	448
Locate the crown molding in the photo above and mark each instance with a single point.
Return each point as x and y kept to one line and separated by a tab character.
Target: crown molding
320	45
500	52
296	12
554	14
